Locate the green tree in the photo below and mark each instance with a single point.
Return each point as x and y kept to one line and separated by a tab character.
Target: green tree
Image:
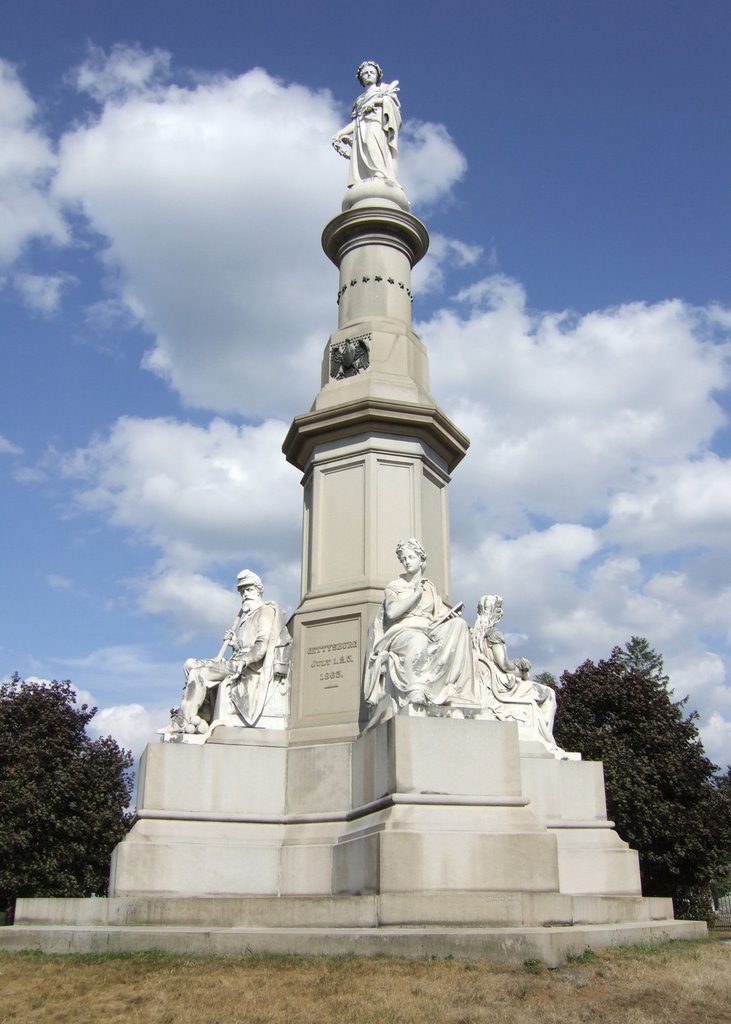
62	795
721	885
661	788
547	679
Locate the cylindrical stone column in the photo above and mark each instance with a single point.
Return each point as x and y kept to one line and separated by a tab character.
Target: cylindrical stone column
375	248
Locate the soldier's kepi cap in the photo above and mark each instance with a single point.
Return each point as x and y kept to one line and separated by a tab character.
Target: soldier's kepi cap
247	578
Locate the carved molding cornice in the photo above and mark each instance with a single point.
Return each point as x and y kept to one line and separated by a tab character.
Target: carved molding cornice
374	225
377	416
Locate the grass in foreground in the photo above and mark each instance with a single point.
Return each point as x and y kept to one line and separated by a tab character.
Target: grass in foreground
674	982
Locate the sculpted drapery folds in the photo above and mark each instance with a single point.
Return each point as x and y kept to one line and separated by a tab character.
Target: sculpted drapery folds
506	691
420	651
370	141
252	682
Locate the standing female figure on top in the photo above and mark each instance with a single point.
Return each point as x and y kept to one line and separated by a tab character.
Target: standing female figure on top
370	141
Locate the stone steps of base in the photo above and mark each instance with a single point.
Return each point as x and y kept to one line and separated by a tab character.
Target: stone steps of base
500	909
550	945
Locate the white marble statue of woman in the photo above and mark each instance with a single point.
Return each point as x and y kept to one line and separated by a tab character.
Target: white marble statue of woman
506	691
370	141
421	652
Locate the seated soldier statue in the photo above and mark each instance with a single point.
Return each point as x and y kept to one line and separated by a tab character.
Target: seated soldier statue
248	687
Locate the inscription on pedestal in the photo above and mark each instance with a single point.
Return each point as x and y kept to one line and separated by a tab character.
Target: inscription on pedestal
330	667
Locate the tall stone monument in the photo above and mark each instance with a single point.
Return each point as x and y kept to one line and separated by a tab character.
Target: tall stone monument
390	783
375	450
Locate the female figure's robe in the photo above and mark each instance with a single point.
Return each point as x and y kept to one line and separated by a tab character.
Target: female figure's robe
375	135
423	657
508	696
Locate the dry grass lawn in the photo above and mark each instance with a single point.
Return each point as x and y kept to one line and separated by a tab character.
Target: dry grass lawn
676	982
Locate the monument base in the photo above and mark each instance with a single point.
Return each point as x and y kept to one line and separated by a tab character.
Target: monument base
464	925
422	837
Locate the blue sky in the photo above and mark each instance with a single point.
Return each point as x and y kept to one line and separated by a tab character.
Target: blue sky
165	175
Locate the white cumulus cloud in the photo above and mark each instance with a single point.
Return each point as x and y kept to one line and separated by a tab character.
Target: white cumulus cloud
194	602
716	738
124	71
592	497
565	411
133	726
8	448
685	502
430	164
209	197
27	162
201	496
199	493
41	292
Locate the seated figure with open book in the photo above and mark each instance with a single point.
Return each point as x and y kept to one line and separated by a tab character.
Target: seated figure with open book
420	653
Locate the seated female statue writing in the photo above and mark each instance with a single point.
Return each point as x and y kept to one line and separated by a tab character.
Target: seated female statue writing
420	651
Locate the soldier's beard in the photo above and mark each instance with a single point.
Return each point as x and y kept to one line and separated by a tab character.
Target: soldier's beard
249	604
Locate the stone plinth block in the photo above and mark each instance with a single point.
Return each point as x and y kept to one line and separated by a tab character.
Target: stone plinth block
568	798
431	848
412	805
562	792
596	860
214	781
169	856
458	760
419	837
457	820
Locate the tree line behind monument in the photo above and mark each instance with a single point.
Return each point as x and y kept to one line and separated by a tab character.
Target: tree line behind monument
63	796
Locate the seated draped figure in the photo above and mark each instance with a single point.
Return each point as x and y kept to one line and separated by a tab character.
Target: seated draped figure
506	691
248	688
419	651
